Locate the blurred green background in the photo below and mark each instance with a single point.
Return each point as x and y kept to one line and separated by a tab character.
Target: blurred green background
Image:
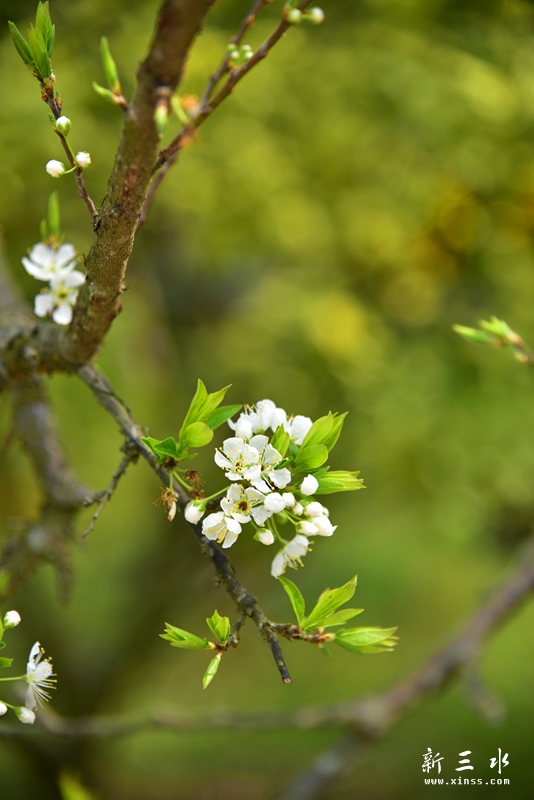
370	184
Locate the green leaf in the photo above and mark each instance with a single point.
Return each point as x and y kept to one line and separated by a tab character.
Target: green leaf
354	639
39	53
473	335
222	415
335	433
195	435
295	595
280	440
212	402
211	671
339	481
167	448
337	618
5	662
193	413
43	23
310	457
21	46
2	644
106	93
110	68
187	641
54	219
319	431
219	626
329	601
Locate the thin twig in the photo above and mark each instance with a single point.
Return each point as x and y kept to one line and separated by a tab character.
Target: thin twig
104	496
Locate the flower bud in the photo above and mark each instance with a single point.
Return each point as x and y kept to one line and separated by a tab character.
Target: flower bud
3	709
25	715
11	619
293	16
172	511
243	428
289	499
324	526
315	16
63	125
82	159
194	512
307	528
55	168
314	509
274	502
309	485
298	509
266	537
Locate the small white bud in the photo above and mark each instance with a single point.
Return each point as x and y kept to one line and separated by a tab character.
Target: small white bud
266	537
298	509
3	709
289	499
307	528
314	509
82	159
63	125
11	619
25	715
194	512
294	16
309	485
55	168
274	502
315	15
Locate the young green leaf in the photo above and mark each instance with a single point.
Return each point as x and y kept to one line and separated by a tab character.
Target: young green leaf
319	431
106	93
339	481
43	24
337	618
5	662
39	53
335	433
211	671
297	600
219	626
329	601
221	415
212	402
167	448
110	68
280	440
310	457
354	639
53	214
2	644
187	641
195	435
21	46
193	413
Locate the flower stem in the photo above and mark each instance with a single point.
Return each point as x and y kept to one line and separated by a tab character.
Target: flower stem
16	678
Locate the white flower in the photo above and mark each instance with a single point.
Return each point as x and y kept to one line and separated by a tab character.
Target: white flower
289	499
269	458
63	125
11	619
39	676
3	709
290	556
239	458
46	262
25	715
55	168
261	417
60	298
242	504
82	159
274	502
220	528
323	525
309	485
194	512
243	428
314	509
298	427
266	537
298	509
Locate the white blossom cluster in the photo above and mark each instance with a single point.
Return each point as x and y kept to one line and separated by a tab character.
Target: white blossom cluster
55	264
264	492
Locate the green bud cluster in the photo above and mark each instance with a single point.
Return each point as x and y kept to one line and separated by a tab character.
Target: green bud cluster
497	333
294	15
239	55
114	93
221	629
